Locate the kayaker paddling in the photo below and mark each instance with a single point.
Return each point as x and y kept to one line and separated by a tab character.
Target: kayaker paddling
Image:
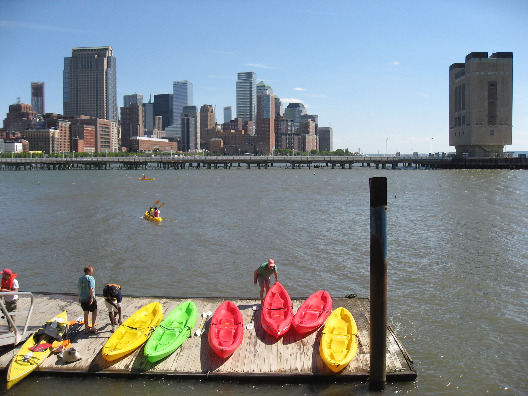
262	276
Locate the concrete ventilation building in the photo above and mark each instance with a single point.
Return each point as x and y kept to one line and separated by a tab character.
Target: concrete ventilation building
246	96
37	97
480	104
182	95
89	83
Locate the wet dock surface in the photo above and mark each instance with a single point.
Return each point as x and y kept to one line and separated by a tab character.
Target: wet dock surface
291	357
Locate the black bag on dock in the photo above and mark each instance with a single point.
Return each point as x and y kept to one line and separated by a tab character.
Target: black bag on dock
50	330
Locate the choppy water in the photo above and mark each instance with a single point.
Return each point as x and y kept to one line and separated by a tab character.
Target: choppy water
457	257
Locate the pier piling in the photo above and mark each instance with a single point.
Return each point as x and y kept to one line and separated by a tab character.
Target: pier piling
378	282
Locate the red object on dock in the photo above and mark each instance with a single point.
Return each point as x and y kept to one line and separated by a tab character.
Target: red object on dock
313	312
227	329
277	311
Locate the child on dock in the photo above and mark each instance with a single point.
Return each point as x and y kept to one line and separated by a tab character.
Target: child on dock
113	298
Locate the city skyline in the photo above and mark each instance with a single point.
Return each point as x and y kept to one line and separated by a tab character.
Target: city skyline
377	73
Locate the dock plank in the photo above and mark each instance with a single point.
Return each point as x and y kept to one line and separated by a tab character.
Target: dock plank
259	354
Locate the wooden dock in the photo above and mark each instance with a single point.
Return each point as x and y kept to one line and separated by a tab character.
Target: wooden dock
260	356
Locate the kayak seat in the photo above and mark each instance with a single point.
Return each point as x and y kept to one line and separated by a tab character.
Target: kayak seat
225	336
310	316
338	348
277	303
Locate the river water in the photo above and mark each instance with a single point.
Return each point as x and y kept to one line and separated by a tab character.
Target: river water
456	251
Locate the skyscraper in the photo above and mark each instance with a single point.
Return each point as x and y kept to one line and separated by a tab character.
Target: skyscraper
207	125
480	104
134	98
37	97
228	113
294	112
246	96
89	83
265	119
182	95
190	129
163	108
132	121
148	112
326	138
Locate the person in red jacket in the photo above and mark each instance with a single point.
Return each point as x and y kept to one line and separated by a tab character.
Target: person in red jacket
9	284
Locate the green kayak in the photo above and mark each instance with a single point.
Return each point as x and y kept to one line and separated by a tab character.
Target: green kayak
171	332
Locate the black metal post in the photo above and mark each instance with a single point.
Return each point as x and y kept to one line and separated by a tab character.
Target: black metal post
378	282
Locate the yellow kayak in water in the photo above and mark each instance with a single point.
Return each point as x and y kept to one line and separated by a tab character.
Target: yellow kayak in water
148	216
339	341
134	332
30	355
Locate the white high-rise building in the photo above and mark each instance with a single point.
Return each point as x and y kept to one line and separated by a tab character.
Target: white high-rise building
246	96
182	95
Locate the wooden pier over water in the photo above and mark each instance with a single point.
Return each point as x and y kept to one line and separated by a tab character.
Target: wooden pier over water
261	162
260	356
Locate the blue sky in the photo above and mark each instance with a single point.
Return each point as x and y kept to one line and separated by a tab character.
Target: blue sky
375	71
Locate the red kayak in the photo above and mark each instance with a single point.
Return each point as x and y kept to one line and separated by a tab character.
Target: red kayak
227	329
313	312
277	311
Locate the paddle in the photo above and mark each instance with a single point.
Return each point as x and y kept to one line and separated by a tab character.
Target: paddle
250	324
204	317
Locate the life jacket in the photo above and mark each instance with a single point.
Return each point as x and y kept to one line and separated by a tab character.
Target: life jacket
111	290
156	213
8	283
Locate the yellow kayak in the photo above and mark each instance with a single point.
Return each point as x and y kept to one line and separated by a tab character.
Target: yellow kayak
145	178
29	357
134	332
339	341
148	216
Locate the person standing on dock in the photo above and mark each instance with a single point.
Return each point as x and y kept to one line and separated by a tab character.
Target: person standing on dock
87	298
263	275
113	298
9	284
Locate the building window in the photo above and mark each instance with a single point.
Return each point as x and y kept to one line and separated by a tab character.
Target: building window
492	132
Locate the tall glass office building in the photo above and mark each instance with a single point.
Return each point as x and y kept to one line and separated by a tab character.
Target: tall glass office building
246	96
182	95
89	83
